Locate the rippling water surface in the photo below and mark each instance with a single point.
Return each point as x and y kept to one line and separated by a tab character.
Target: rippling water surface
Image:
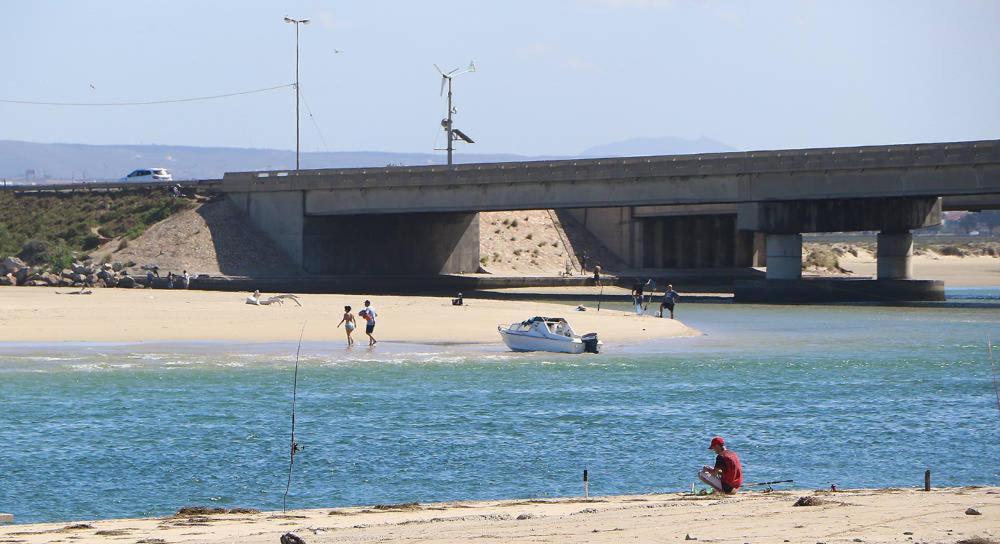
860	396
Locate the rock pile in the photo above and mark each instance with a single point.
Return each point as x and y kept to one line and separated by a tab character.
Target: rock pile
14	271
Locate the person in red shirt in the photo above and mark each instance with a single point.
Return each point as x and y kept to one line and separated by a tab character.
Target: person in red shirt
727	474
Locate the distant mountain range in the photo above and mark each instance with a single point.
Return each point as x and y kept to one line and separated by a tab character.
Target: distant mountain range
637	147
28	161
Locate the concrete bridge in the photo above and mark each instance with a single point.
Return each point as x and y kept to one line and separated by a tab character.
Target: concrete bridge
687	211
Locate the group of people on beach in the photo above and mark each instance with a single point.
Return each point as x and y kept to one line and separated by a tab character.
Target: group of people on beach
367	313
667	301
174	281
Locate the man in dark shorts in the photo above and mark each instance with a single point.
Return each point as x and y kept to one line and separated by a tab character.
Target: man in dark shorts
727	474
369	314
669	299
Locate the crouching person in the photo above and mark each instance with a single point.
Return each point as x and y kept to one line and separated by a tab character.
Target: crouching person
727	474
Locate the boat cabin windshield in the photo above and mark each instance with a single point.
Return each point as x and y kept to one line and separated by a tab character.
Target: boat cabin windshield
553	325
560	328
523	326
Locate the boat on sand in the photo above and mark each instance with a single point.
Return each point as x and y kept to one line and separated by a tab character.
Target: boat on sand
547	334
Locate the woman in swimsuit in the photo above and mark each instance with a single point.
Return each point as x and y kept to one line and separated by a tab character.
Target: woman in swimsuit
348	322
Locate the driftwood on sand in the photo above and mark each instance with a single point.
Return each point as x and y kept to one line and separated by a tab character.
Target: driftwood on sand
82	291
256	300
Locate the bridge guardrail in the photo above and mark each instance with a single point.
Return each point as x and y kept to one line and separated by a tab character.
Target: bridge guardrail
21	187
707	164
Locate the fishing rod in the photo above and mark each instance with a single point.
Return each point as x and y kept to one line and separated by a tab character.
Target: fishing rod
294	445
993	365
769	483
600	296
652	288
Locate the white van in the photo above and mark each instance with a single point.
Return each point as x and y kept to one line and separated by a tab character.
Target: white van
149	174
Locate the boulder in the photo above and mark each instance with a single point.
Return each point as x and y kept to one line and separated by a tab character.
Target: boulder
104	275
52	279
117	266
79	268
110	281
126	282
22	275
8	279
11	265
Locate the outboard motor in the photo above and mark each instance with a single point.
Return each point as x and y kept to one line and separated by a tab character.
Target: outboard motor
590	343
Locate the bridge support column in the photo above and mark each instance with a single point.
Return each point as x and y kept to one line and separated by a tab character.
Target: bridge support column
894	256
784	256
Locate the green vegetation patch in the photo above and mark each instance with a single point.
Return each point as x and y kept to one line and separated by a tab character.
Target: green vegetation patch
822	257
52	227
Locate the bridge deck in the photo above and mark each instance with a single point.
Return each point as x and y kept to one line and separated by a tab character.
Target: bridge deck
911	170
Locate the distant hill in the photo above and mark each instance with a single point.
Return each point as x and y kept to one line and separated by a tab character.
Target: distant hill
110	162
637	147
79	161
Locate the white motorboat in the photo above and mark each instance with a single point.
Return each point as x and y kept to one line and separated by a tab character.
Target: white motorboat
547	334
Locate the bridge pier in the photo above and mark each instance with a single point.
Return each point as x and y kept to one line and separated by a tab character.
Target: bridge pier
784	221
894	255
784	256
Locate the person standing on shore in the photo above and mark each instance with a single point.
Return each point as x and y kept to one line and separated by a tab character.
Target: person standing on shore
637	297
727	474
349	324
369	314
669	300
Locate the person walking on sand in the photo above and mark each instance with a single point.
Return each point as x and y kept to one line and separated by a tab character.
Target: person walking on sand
369	314
727	474
348	322
637	297
669	299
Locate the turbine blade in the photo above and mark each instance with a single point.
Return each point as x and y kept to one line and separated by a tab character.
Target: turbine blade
438	68
443	79
472	66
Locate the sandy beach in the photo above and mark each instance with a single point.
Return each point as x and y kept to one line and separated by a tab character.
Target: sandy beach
39	314
970	271
871	516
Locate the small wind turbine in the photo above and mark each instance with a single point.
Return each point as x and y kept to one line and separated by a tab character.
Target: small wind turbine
453	133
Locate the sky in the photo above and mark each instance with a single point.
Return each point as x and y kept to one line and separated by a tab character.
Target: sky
554	76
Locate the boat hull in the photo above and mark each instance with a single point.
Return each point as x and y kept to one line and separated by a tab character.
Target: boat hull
524	342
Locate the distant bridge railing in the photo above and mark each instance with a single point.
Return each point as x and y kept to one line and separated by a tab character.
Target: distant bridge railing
788	161
85	186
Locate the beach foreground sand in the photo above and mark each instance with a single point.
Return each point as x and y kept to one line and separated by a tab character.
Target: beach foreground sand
871	516
39	314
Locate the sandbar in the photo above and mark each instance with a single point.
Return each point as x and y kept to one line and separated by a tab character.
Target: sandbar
39	315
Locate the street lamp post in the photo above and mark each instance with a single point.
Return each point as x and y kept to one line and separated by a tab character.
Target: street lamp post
297	22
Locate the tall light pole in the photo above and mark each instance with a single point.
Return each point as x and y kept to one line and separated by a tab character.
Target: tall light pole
297	22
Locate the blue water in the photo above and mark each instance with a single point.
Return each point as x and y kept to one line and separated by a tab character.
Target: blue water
859	396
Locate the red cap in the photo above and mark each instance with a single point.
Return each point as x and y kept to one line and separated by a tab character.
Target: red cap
717	441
